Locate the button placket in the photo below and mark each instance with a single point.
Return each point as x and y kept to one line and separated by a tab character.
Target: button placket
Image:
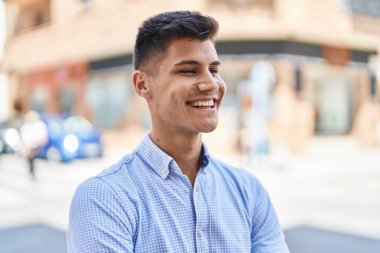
199	232
181	180
201	215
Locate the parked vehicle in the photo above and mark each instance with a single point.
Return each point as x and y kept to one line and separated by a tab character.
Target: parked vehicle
70	137
10	141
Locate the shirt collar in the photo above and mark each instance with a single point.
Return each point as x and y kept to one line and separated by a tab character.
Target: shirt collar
159	161
204	158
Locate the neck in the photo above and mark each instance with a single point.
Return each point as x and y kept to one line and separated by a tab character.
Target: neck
184	148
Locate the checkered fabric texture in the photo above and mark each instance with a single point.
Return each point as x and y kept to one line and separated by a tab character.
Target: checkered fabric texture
145	204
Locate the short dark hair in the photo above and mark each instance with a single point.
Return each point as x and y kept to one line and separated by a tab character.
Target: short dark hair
156	33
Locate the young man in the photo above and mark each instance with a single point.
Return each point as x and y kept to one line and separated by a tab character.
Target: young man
169	194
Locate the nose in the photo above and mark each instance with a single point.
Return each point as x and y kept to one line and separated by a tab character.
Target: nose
208	83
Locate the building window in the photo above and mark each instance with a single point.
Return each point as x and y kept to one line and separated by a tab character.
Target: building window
32	15
39	98
86	4
108	97
364	7
365	15
66	99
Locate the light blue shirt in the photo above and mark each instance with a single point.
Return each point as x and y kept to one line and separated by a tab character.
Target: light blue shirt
145	204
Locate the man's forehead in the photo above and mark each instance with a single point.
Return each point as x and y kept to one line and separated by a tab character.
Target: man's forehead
187	50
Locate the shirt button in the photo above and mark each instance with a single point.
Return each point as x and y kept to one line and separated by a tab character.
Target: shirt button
187	190
200	233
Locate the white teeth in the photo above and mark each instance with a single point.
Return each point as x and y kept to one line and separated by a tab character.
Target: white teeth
202	103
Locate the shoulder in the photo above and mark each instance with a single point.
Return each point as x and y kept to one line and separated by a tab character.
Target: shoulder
101	214
111	192
118	169
115	180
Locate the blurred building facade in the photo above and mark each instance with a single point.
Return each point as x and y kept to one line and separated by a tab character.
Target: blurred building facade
76	56
4	105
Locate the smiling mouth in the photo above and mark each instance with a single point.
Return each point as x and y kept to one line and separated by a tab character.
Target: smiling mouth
203	104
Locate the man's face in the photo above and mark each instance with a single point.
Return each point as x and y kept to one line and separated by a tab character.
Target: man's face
186	89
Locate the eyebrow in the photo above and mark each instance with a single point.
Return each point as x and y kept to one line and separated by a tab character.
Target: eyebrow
192	62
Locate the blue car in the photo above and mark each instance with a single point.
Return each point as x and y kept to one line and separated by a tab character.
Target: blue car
70	137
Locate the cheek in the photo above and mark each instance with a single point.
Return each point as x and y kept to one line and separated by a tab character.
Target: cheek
172	96
176	93
168	100
222	87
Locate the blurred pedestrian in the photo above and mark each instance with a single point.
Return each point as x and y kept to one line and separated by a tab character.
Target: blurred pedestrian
33	133
170	194
17	117
257	88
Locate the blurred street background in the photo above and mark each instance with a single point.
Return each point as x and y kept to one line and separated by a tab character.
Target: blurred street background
302	110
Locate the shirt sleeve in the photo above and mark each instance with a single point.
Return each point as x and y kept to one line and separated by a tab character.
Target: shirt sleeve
98	221
266	233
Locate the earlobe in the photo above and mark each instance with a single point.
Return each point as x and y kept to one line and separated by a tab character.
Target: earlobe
140	82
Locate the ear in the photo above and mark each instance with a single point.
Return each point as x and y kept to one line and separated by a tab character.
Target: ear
140	82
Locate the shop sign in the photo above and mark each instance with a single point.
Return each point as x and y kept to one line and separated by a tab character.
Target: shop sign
336	55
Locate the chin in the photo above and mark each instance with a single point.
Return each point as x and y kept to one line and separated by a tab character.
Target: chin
208	129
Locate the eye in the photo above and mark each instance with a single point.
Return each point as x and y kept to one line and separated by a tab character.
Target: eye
214	71
187	71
